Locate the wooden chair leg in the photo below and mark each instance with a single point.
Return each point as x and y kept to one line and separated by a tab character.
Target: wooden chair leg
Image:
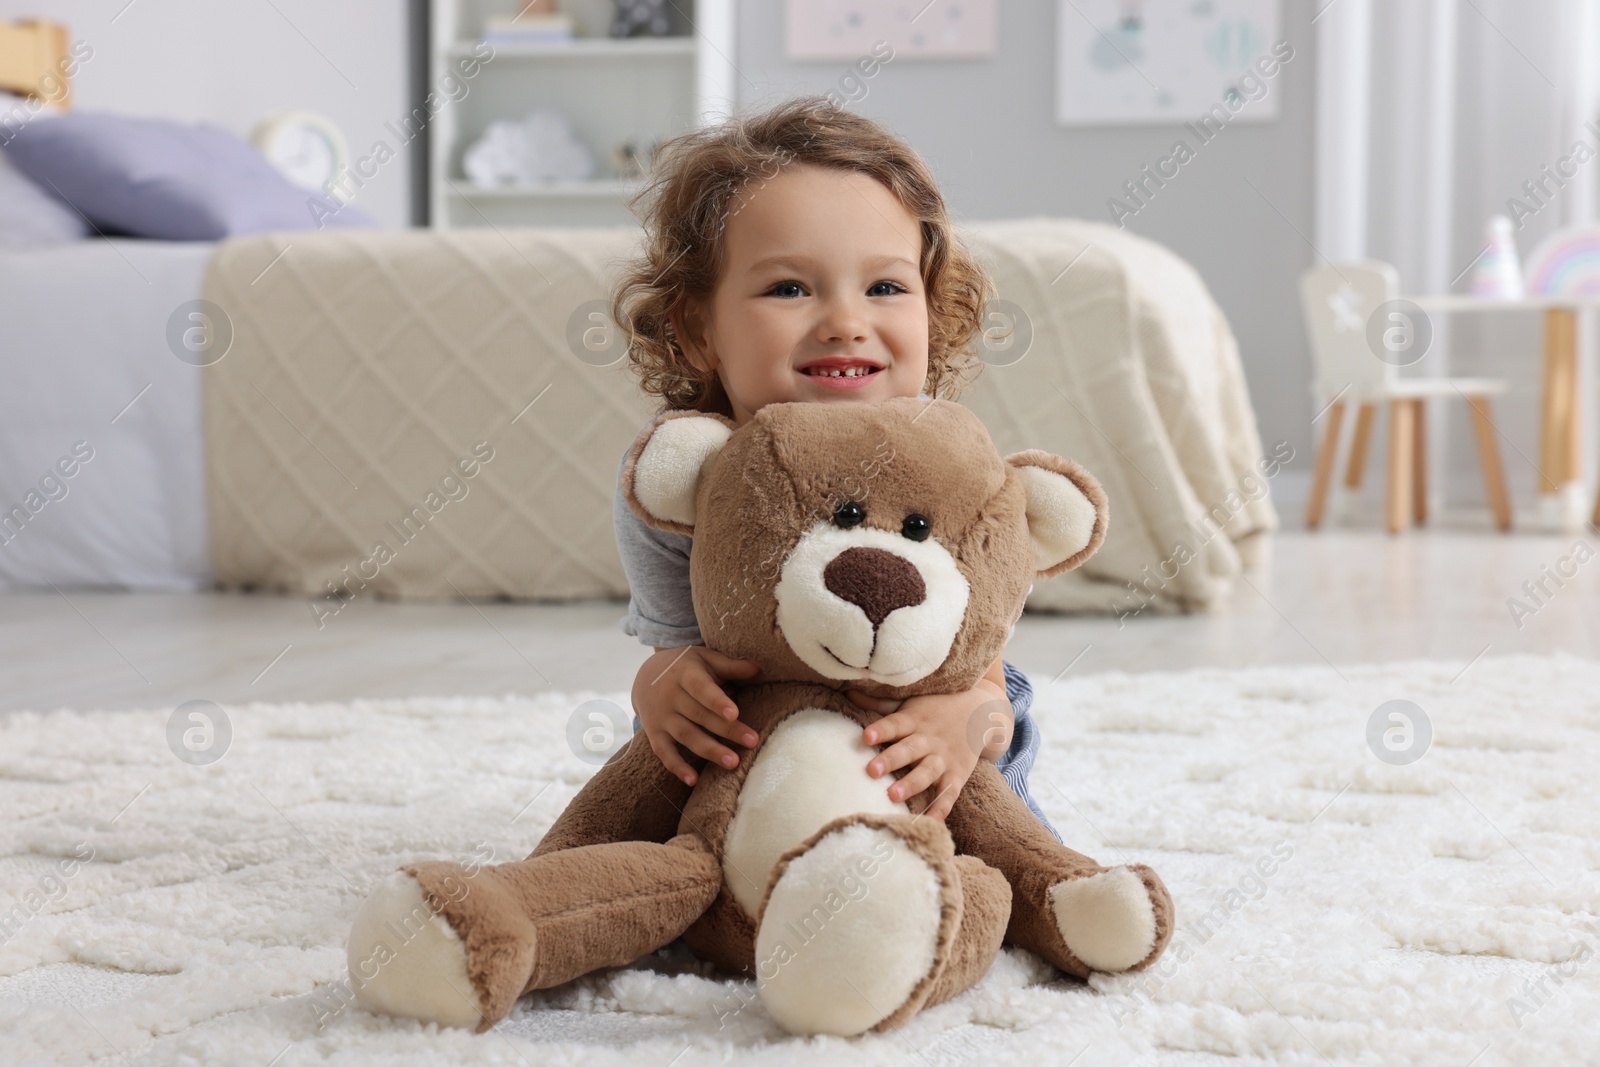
1419	464
1324	470
1494	479
1398	510
1365	416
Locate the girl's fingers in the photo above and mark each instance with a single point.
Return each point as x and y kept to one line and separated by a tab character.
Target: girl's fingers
702	687
921	777
896	756
733	730
728	667
670	758
701	744
881	705
948	791
709	705
889	728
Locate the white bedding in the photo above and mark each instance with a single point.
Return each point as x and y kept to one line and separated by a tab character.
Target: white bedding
82	333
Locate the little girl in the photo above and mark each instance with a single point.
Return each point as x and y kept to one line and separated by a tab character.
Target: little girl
802	254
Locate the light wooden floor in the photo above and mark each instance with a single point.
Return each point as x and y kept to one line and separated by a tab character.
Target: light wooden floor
1341	596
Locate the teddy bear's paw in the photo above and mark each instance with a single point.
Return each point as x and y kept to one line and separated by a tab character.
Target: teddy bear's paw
839	950
406	960
1114	920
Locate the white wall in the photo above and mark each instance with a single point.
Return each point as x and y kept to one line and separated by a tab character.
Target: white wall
988	129
233	62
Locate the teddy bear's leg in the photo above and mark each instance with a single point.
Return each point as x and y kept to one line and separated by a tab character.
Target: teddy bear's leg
1077	914
871	919
632	797
985	913
457	946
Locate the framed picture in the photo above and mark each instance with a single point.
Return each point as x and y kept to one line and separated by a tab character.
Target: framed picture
915	29
1165	61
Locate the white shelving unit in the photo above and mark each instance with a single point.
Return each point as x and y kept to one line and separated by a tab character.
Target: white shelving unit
611	90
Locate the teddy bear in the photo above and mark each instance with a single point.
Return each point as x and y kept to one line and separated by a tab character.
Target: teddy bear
884	546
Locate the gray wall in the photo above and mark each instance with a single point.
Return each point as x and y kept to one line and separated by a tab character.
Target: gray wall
988	129
232	64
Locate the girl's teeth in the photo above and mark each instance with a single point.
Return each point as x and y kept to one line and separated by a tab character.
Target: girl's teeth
853	372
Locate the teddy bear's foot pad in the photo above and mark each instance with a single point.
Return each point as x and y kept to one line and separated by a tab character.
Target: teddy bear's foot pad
838	951
1108	920
406	960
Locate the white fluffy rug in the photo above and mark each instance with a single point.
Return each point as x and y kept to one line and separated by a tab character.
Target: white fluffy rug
1440	912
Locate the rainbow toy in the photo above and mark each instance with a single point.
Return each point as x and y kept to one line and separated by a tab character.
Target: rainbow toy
1566	263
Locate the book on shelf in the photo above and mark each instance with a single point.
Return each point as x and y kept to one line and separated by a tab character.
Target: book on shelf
528	29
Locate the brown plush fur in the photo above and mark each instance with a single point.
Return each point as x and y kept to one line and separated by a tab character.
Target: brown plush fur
636	859
794	463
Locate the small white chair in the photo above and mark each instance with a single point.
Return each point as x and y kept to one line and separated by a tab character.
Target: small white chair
1339	302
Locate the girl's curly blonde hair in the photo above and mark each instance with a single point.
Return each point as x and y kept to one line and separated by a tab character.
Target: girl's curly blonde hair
694	182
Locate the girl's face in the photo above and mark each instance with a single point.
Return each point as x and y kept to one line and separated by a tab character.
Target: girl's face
820	273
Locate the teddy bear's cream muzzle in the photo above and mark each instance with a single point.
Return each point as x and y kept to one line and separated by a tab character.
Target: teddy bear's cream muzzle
892	621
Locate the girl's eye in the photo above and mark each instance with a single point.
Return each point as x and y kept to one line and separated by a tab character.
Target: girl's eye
849	514
916	527
794	289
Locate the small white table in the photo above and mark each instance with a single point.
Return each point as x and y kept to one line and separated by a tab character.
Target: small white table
1561	499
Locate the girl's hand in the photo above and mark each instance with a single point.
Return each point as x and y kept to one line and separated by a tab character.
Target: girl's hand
943	734
679	700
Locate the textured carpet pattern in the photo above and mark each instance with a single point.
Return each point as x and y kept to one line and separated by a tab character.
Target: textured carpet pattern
1332	907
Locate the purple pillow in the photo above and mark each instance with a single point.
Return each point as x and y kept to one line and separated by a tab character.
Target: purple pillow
168	180
32	216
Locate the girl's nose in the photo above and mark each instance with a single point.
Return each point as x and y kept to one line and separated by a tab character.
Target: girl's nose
843	320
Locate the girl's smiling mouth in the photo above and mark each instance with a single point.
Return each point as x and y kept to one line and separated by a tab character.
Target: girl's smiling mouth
841	372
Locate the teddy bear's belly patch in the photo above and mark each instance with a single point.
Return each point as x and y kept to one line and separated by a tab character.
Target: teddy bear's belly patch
811	770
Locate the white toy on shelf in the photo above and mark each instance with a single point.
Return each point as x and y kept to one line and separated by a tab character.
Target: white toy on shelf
495	61
538	148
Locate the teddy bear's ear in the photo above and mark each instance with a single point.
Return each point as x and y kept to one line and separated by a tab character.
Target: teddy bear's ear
1067	512
666	463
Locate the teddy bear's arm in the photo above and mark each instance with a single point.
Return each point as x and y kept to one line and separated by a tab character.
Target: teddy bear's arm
632	797
1065	907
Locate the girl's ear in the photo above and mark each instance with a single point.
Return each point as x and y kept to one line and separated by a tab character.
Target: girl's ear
665	465
689	325
1067	510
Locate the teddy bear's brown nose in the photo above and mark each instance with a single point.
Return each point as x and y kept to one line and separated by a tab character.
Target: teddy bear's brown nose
874	580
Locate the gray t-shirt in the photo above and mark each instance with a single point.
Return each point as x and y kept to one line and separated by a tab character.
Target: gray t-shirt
660	605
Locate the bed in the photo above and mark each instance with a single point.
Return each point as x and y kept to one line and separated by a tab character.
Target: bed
86	359
102	455
364	365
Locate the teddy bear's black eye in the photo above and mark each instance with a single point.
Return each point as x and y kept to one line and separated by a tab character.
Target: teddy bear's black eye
849	514
916	527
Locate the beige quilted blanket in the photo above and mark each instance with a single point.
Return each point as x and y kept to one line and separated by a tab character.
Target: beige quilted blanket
404	414
1133	371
